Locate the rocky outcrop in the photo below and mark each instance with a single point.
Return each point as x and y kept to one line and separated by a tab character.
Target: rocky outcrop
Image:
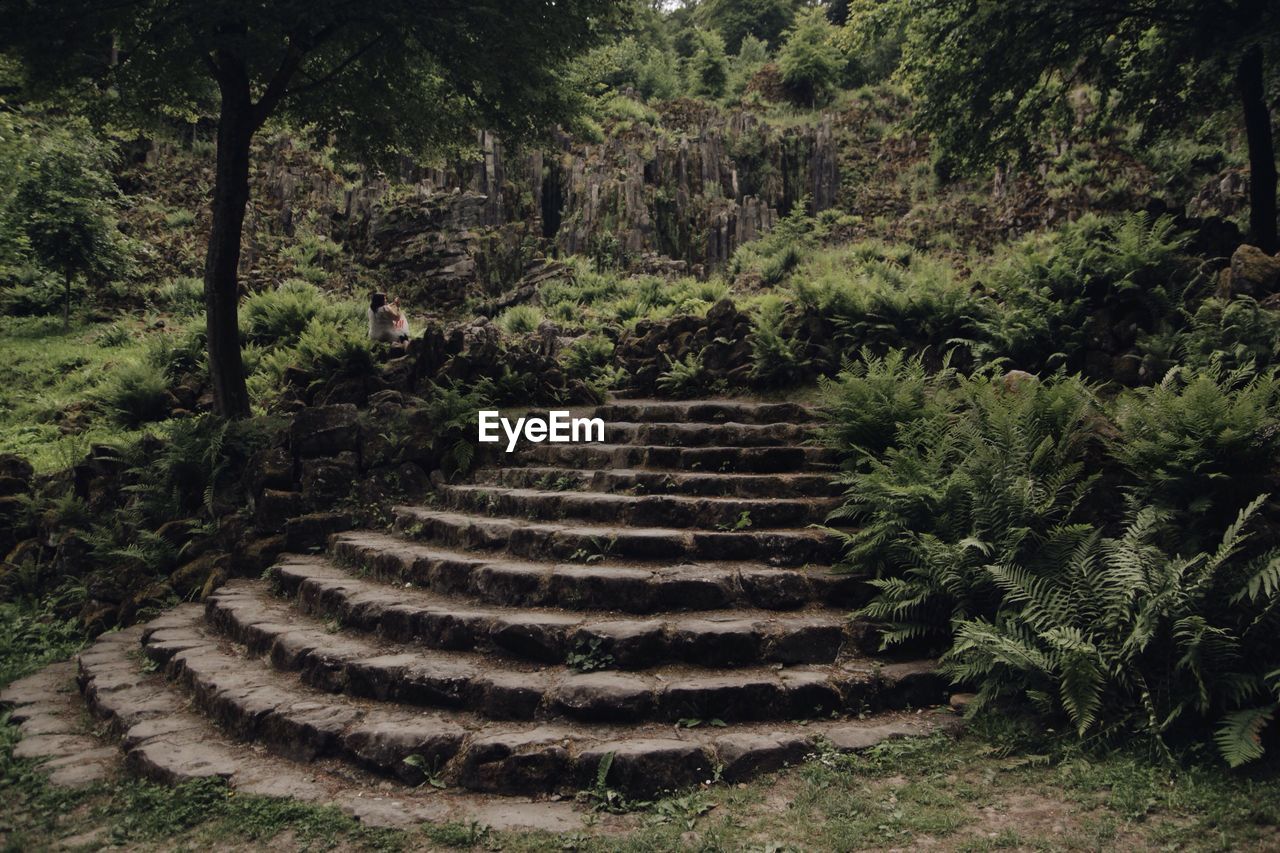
678	196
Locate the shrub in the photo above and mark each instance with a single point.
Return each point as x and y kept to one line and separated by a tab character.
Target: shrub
325	350
886	297
587	355
520	319
278	317
708	68
811	63
1095	284
1200	445
183	295
137	394
873	397
684	377
776	359
973	469
1121	636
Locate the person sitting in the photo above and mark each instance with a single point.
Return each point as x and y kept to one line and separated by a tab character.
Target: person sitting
387	323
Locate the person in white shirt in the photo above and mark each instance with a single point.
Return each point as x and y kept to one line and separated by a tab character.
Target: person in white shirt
387	323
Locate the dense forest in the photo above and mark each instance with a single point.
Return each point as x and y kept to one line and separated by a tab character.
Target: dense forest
1018	259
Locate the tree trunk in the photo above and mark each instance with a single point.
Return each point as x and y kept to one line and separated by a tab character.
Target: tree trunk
66	300
222	262
1262	152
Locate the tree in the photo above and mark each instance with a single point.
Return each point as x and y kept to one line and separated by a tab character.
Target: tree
709	66
737	19
63	206
383	79
810	61
992	75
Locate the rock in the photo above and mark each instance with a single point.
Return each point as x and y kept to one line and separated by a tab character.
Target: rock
256	555
1016	380
13	486
312	531
194	575
15	467
275	507
325	430
1254	272
329	479
428	746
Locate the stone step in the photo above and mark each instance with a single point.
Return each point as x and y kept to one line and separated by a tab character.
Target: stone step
706	411
638	510
250	701
731	460
719	638
605	585
642	481
664	434
165	740
589	543
245	614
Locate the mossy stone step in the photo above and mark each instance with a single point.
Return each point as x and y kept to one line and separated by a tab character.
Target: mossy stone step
602	585
484	686
640	481
718	638
729	460
593	542
638	510
707	411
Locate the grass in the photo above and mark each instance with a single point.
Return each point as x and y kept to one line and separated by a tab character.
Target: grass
50	378
951	794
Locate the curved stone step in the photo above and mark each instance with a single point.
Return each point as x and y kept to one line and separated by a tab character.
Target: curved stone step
588	543
637	510
706	411
252	702
605	585
642	481
718	638
746	460
687	434
472	682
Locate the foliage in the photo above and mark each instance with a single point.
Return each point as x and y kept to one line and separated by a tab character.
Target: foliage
1123	636
885	297
777	359
1200	445
685	377
981	528
279	316
137	394
34	632
520	319
1078	288
979	469
735	20
708	68
809	59
63	206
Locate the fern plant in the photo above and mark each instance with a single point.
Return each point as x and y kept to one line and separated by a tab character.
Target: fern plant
776	358
1121	636
947	474
684	377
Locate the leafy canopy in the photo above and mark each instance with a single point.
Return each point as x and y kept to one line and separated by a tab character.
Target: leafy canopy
387	78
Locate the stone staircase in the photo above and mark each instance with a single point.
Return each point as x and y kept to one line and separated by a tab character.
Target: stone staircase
661	599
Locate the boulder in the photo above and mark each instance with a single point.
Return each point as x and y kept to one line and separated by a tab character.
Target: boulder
1254	273
325	430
